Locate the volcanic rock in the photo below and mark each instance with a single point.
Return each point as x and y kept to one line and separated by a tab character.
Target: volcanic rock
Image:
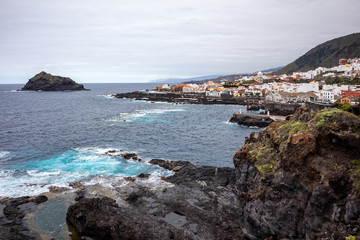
251	120
12	225
46	82
169	165
299	175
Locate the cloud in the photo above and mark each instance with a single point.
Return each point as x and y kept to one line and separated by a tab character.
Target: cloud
118	40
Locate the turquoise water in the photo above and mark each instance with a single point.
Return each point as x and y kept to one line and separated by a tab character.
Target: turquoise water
35	177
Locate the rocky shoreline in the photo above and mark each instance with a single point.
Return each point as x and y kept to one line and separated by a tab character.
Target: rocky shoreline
296	179
179	98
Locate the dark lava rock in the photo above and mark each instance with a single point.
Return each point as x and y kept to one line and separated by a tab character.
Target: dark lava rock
201	205
40	199
169	165
12	225
297	176
130	156
251	120
104	219
46	82
186	98
144	175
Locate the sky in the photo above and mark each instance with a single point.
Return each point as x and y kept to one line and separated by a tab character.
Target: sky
93	41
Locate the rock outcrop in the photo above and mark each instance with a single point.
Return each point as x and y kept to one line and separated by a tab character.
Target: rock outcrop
300	178
251	120
200	205
46	82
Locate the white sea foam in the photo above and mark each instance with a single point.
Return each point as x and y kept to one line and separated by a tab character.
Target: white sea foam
108	96
4	154
74	165
130	117
231	123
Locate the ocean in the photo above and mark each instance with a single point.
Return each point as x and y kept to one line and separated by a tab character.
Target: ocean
54	138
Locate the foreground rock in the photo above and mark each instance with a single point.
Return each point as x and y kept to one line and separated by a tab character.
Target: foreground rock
251	120
301	178
200	205
46	82
12	225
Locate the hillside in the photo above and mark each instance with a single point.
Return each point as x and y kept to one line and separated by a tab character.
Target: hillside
326	54
181	80
230	78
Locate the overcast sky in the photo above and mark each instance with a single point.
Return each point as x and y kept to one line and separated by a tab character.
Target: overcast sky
142	40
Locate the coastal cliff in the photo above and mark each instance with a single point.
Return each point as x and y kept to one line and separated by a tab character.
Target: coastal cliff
301	178
46	82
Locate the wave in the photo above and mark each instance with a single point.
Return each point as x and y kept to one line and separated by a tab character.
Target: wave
77	164
130	117
108	96
3	154
231	123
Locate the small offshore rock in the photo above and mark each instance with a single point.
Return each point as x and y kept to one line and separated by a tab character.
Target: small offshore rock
46	82
144	175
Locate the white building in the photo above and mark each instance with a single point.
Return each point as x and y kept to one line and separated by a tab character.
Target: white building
260	77
308	87
213	93
327	96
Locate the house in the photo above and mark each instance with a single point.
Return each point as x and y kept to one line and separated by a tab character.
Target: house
213	93
352	94
163	87
343	61
345	100
308	87
180	87
283	97
188	88
327	95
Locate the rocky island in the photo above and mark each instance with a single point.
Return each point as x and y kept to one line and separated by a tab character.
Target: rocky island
46	82
296	179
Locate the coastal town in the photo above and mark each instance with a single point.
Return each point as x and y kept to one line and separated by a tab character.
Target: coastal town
321	85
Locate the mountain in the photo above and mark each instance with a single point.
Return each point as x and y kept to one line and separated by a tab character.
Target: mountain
46	82
181	80
326	54
272	69
232	77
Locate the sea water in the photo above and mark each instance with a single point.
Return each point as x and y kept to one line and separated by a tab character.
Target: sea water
54	138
